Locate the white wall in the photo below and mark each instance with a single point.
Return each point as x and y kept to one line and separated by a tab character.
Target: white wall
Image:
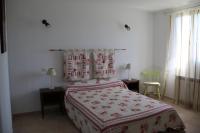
5	106
162	32
73	25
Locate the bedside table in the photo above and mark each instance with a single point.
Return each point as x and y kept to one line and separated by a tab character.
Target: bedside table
132	84
52	97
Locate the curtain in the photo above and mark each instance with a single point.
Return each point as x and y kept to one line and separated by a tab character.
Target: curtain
77	64
104	63
182	71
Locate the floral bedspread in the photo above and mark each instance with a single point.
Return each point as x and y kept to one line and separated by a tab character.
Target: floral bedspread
112	108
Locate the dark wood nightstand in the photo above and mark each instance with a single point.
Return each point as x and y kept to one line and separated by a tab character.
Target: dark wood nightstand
132	84
52	97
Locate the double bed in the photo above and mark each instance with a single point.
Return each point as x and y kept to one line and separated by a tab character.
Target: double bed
110	107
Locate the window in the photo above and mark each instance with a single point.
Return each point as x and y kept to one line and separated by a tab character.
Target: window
185	43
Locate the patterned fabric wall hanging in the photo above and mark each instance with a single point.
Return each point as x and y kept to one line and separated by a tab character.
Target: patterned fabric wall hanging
77	64
103	63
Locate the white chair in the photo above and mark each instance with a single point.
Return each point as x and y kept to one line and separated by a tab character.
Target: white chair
151	79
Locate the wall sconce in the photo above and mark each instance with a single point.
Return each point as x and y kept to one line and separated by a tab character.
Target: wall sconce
127	27
46	23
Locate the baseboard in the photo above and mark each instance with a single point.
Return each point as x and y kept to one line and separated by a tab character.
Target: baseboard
24	113
169	98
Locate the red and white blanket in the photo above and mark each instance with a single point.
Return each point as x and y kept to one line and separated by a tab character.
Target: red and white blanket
112	108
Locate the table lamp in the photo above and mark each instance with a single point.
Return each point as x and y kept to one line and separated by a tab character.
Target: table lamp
51	72
128	67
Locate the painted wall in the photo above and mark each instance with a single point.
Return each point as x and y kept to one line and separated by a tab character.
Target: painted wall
73	25
5	106
162	32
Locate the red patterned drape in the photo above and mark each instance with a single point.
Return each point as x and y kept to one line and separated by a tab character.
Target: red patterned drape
77	64
103	63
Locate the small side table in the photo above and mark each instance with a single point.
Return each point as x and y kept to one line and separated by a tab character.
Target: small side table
132	84
50	97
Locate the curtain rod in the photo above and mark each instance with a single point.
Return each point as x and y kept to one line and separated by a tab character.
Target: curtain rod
63	50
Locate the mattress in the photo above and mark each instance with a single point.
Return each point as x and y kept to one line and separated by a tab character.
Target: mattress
112	108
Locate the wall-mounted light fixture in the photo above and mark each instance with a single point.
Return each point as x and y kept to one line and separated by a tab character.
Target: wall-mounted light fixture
127	27
46	23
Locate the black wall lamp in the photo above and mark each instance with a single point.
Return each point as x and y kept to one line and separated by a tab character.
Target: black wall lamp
127	27
46	23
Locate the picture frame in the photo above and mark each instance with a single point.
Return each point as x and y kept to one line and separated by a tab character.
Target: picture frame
2	27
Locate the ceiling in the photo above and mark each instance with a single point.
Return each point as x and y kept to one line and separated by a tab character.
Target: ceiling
156	5
148	5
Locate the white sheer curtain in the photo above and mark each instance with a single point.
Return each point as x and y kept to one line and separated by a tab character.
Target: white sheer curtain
182	73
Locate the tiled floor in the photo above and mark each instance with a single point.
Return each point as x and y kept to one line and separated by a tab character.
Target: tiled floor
55	122
190	118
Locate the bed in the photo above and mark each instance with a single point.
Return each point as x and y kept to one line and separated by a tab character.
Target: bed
110	107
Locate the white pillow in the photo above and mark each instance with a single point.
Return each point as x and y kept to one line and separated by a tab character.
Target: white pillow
91	82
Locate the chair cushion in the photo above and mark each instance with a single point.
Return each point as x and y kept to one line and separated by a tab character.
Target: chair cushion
152	83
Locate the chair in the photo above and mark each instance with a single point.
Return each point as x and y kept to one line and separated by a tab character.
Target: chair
151	79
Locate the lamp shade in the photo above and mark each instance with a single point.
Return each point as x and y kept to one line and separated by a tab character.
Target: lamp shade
51	72
128	66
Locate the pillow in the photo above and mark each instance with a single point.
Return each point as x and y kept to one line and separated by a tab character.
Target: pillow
91	82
